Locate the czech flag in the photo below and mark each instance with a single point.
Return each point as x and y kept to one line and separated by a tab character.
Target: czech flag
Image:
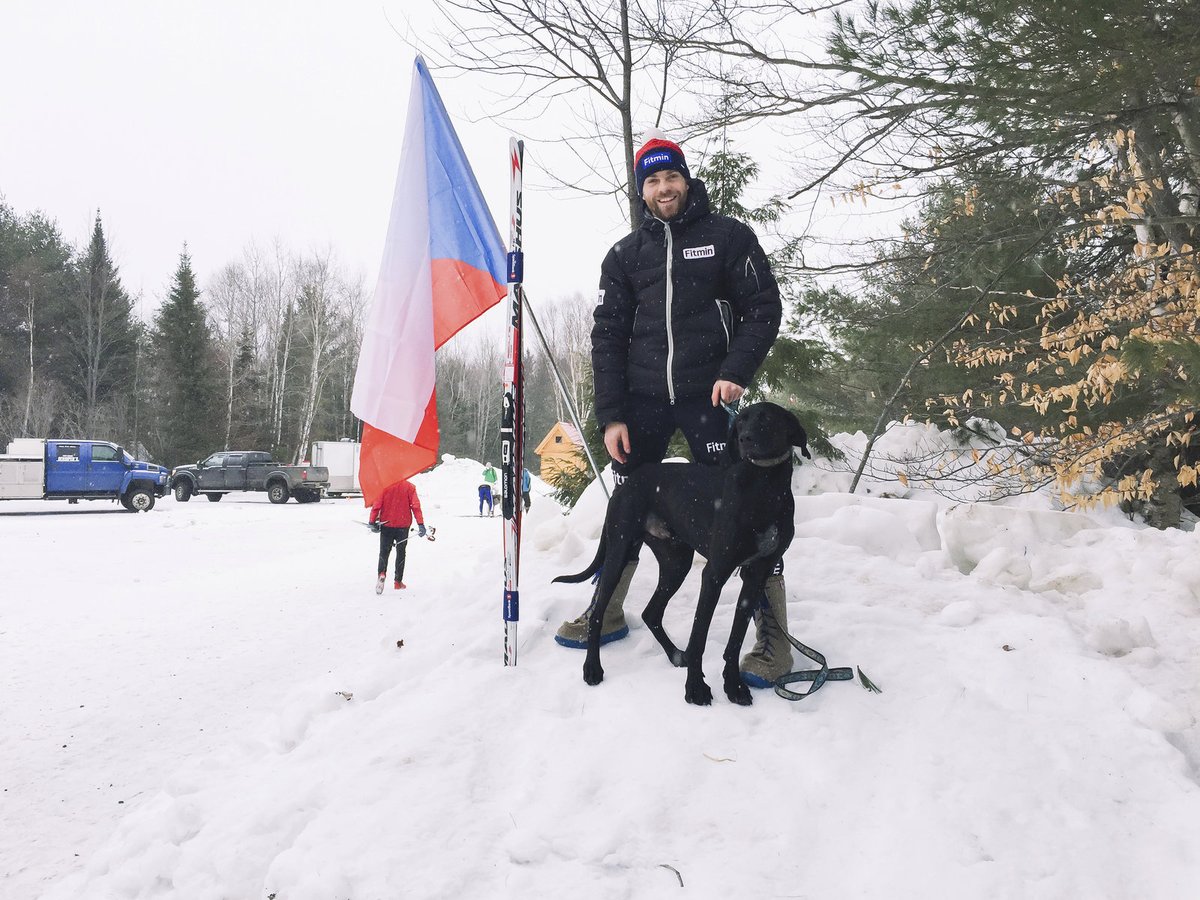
443	266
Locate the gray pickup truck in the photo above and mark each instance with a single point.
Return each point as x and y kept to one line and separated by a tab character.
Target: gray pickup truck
249	470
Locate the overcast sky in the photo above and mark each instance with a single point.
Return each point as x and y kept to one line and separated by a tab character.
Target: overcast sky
221	122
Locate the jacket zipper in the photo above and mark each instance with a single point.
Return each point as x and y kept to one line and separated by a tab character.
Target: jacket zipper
721	314
752	270
670	333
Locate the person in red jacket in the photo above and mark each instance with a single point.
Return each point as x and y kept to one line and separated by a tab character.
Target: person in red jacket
392	516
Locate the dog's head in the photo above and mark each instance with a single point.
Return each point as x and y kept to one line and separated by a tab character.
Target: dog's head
764	434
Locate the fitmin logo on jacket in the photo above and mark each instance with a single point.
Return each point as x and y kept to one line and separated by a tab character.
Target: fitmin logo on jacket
653	159
699	252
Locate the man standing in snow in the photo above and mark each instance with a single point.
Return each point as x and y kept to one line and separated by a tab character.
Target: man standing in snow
392	516
688	309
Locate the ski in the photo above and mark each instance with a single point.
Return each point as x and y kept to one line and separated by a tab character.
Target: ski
512	410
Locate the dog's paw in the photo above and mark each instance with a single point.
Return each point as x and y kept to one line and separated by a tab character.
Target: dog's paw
739	694
593	673
736	689
697	693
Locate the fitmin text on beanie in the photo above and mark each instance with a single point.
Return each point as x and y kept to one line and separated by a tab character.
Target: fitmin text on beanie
657	155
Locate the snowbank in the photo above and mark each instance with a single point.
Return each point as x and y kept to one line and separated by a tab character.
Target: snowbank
280	730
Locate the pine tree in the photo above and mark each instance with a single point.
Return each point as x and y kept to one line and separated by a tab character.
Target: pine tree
101	335
36	277
1058	149
186	377
798	362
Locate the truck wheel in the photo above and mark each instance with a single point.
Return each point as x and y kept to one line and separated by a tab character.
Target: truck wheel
277	492
138	500
214	498
183	491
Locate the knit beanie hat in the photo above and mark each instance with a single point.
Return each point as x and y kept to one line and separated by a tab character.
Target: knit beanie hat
658	154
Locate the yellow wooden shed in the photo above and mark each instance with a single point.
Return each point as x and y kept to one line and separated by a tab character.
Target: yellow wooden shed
561	450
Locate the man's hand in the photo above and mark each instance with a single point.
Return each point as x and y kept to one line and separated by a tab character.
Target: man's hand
420	530
616	440
374	526
724	392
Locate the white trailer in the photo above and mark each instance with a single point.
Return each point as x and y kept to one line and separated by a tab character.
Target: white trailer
341	459
23	470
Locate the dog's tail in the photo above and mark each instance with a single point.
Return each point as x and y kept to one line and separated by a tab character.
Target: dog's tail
592	569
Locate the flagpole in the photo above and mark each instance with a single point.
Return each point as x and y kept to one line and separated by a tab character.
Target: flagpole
512	411
563	392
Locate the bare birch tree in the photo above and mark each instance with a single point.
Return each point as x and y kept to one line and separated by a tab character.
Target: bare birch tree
316	330
227	302
30	308
353	316
608	64
483	401
326	299
567	326
274	289
468	397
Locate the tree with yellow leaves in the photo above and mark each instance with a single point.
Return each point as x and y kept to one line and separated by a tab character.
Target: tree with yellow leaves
1110	369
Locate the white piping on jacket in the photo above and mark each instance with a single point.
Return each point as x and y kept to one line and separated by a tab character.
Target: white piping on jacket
670	333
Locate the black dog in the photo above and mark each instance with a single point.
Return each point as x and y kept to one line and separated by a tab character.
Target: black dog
739	514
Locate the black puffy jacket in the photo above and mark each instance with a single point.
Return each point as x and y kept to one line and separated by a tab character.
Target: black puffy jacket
682	304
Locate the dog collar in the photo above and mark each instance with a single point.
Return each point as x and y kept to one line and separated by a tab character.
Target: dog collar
773	460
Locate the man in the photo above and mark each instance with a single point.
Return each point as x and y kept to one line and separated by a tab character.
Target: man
487	490
688	309
392	516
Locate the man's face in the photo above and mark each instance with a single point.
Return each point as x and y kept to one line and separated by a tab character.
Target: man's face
665	193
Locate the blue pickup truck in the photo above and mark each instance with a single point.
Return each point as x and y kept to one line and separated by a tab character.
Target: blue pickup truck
76	470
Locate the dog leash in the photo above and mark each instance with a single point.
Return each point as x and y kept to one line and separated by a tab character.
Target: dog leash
818	677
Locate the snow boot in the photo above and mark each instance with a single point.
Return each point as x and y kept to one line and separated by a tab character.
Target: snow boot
379	582
772	655
574	633
398	585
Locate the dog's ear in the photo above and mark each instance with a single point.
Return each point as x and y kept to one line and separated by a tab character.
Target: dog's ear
799	437
731	454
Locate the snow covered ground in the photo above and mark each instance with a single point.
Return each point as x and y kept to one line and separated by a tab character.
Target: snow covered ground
209	701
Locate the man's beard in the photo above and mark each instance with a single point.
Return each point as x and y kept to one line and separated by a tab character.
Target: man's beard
677	205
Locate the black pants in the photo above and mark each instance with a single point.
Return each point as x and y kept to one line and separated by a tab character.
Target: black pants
652	422
387	537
